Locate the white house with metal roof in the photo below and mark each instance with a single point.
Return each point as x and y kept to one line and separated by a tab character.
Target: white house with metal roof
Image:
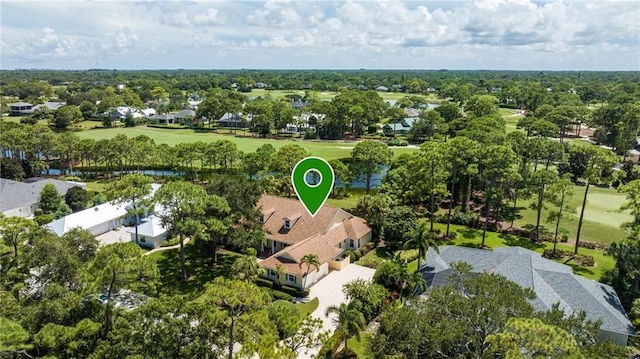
97	220
151	233
552	283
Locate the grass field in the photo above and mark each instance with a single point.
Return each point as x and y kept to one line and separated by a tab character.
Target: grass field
328	95
601	219
326	150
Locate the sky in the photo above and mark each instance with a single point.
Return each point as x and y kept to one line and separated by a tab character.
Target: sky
307	34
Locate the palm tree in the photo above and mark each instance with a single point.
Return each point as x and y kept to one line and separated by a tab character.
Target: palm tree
421	239
247	268
350	320
279	272
310	260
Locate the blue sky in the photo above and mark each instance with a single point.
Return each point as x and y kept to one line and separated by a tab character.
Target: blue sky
305	34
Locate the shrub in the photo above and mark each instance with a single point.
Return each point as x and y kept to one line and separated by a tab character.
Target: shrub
592	245
354	255
309	135
584	260
278	295
579	259
295	292
397	142
44	219
171	242
409	255
366	249
469	219
263	282
370	262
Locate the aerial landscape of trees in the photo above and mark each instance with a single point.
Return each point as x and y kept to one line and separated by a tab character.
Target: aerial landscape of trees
518	158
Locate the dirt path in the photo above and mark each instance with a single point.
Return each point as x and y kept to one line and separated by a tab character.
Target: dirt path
165	248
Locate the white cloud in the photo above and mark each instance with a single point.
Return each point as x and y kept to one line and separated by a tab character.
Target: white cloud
555	34
209	17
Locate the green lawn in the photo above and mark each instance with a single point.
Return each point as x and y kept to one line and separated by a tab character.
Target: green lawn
601	219
307	308
327	150
469	237
351	201
199	270
328	95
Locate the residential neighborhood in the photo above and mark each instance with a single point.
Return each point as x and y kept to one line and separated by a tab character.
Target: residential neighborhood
320	180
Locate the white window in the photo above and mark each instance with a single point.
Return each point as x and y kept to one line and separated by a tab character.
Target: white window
287	224
271	273
261	219
352	243
142	239
292	278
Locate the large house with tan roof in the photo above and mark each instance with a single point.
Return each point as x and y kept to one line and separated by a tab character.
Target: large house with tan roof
292	233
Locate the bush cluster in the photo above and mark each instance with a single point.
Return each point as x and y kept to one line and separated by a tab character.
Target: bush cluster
397	142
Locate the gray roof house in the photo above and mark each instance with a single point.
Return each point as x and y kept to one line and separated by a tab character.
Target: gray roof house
551	281
231	120
20	199
401	128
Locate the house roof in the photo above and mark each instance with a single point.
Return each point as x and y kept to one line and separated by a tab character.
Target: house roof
185	113
150	227
20	104
411	112
304	227
88	218
50	105
14	194
551	281
319	235
230	117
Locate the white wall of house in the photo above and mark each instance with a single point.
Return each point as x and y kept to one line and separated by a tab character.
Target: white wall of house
618	338
24	211
105	227
148	241
321	272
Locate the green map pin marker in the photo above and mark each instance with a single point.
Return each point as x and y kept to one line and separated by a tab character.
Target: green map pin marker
312	178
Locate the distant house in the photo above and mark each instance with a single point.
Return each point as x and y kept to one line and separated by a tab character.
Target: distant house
382	89
193	104
20	109
121	113
292	233
20	199
185	116
166	119
412	112
401	128
551	281
233	120
51	106
261	85
298	104
149	111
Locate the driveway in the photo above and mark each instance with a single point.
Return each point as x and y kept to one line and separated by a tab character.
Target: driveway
114	236
329	290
